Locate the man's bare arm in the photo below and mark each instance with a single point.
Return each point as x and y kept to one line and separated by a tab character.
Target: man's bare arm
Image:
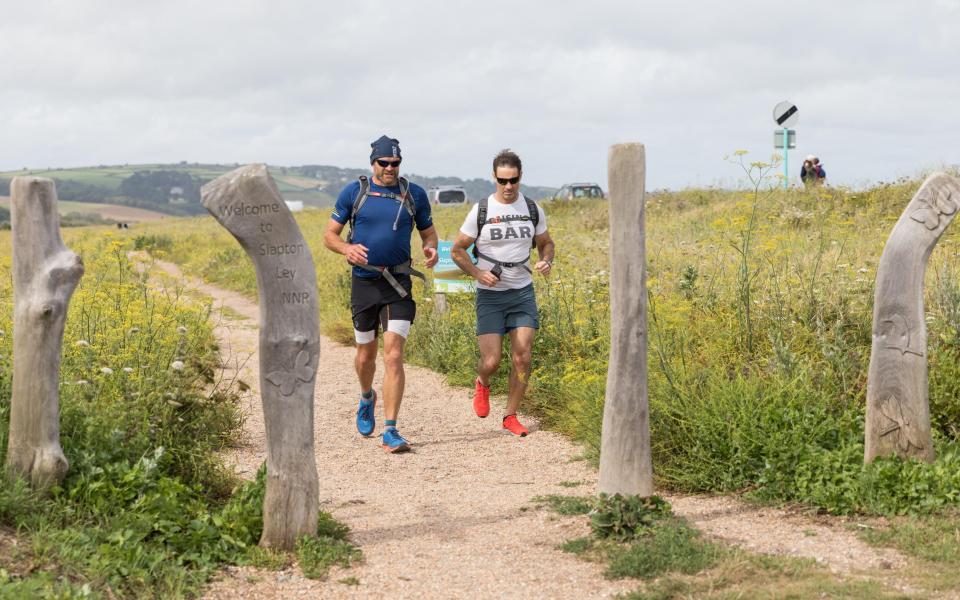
430	240
459	255
355	253
545	249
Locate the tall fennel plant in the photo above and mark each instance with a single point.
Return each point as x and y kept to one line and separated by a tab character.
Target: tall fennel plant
759	174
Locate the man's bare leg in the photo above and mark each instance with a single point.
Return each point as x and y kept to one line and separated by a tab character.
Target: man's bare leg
365	362
491	351
521	346
393	374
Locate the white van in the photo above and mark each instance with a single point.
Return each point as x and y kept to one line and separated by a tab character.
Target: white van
447	194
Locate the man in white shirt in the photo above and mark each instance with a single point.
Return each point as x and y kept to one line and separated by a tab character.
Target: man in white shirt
504	228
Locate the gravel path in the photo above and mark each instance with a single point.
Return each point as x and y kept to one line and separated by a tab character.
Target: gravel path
828	540
454	517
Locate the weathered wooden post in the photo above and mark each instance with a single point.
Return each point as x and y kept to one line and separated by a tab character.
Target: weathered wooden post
247	203
625	465
440	303
898	408
45	274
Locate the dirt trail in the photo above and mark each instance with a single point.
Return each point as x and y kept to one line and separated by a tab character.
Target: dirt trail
454	517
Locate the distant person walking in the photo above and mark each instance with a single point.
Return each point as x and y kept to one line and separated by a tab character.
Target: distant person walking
382	212
503	228
812	172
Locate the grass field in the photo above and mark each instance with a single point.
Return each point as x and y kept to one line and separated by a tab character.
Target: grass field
294	187
759	332
759	336
116	212
147	509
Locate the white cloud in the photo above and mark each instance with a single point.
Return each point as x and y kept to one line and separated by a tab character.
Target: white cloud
294	82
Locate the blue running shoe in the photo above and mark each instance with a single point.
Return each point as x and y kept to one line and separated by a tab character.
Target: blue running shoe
394	442
366	422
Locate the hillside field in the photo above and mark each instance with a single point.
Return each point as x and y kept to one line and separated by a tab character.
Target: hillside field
116	212
759	317
175	188
759	333
106	180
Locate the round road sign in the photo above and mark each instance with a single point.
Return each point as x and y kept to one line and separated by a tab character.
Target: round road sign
786	114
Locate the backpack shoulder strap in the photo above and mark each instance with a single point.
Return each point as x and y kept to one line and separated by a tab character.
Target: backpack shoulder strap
534	218
358	203
534	213
361	196
407	199
481	214
481	221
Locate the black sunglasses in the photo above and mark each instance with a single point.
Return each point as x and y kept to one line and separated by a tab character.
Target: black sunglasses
506	180
388	163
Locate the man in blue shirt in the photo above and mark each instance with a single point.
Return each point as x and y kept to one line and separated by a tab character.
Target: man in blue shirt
382	212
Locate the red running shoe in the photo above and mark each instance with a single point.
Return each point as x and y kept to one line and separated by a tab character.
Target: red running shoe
511	424
481	399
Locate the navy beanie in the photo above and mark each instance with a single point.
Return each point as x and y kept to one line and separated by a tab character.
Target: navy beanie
384	146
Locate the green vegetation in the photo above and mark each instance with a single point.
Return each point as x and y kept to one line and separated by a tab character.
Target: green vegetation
147	508
932	538
153	186
759	337
567	505
625	517
169	189
673	560
317	554
637	537
741	575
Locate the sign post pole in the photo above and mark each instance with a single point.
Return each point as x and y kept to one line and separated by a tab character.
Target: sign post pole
786	159
785	115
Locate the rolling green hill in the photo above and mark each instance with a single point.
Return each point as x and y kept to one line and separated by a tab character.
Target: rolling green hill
73	213
174	189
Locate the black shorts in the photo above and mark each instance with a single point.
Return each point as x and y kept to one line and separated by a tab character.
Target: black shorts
374	302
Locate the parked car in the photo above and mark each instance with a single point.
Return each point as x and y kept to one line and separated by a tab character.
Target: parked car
572	191
447	194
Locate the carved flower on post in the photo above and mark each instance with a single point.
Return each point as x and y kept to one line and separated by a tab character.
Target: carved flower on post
898	408
247	203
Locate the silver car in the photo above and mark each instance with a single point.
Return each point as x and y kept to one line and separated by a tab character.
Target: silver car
447	194
573	191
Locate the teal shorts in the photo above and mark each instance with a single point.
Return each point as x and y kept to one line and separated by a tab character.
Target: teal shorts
500	312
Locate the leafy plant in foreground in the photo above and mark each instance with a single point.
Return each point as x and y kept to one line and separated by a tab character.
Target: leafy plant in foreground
624	517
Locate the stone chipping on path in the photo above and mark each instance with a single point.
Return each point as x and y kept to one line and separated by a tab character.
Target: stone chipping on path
454	517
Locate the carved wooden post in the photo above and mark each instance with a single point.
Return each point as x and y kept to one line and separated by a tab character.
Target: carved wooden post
625	466
898	408
246	202
45	274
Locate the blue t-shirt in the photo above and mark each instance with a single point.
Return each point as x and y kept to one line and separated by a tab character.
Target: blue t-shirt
383	225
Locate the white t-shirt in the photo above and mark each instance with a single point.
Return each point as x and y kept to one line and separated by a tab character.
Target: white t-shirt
507	236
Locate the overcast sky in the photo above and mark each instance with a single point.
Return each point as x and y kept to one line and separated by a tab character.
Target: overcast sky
876	82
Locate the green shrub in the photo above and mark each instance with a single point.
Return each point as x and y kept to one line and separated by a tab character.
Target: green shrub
567	505
625	517
317	554
670	546
146	508
153	243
